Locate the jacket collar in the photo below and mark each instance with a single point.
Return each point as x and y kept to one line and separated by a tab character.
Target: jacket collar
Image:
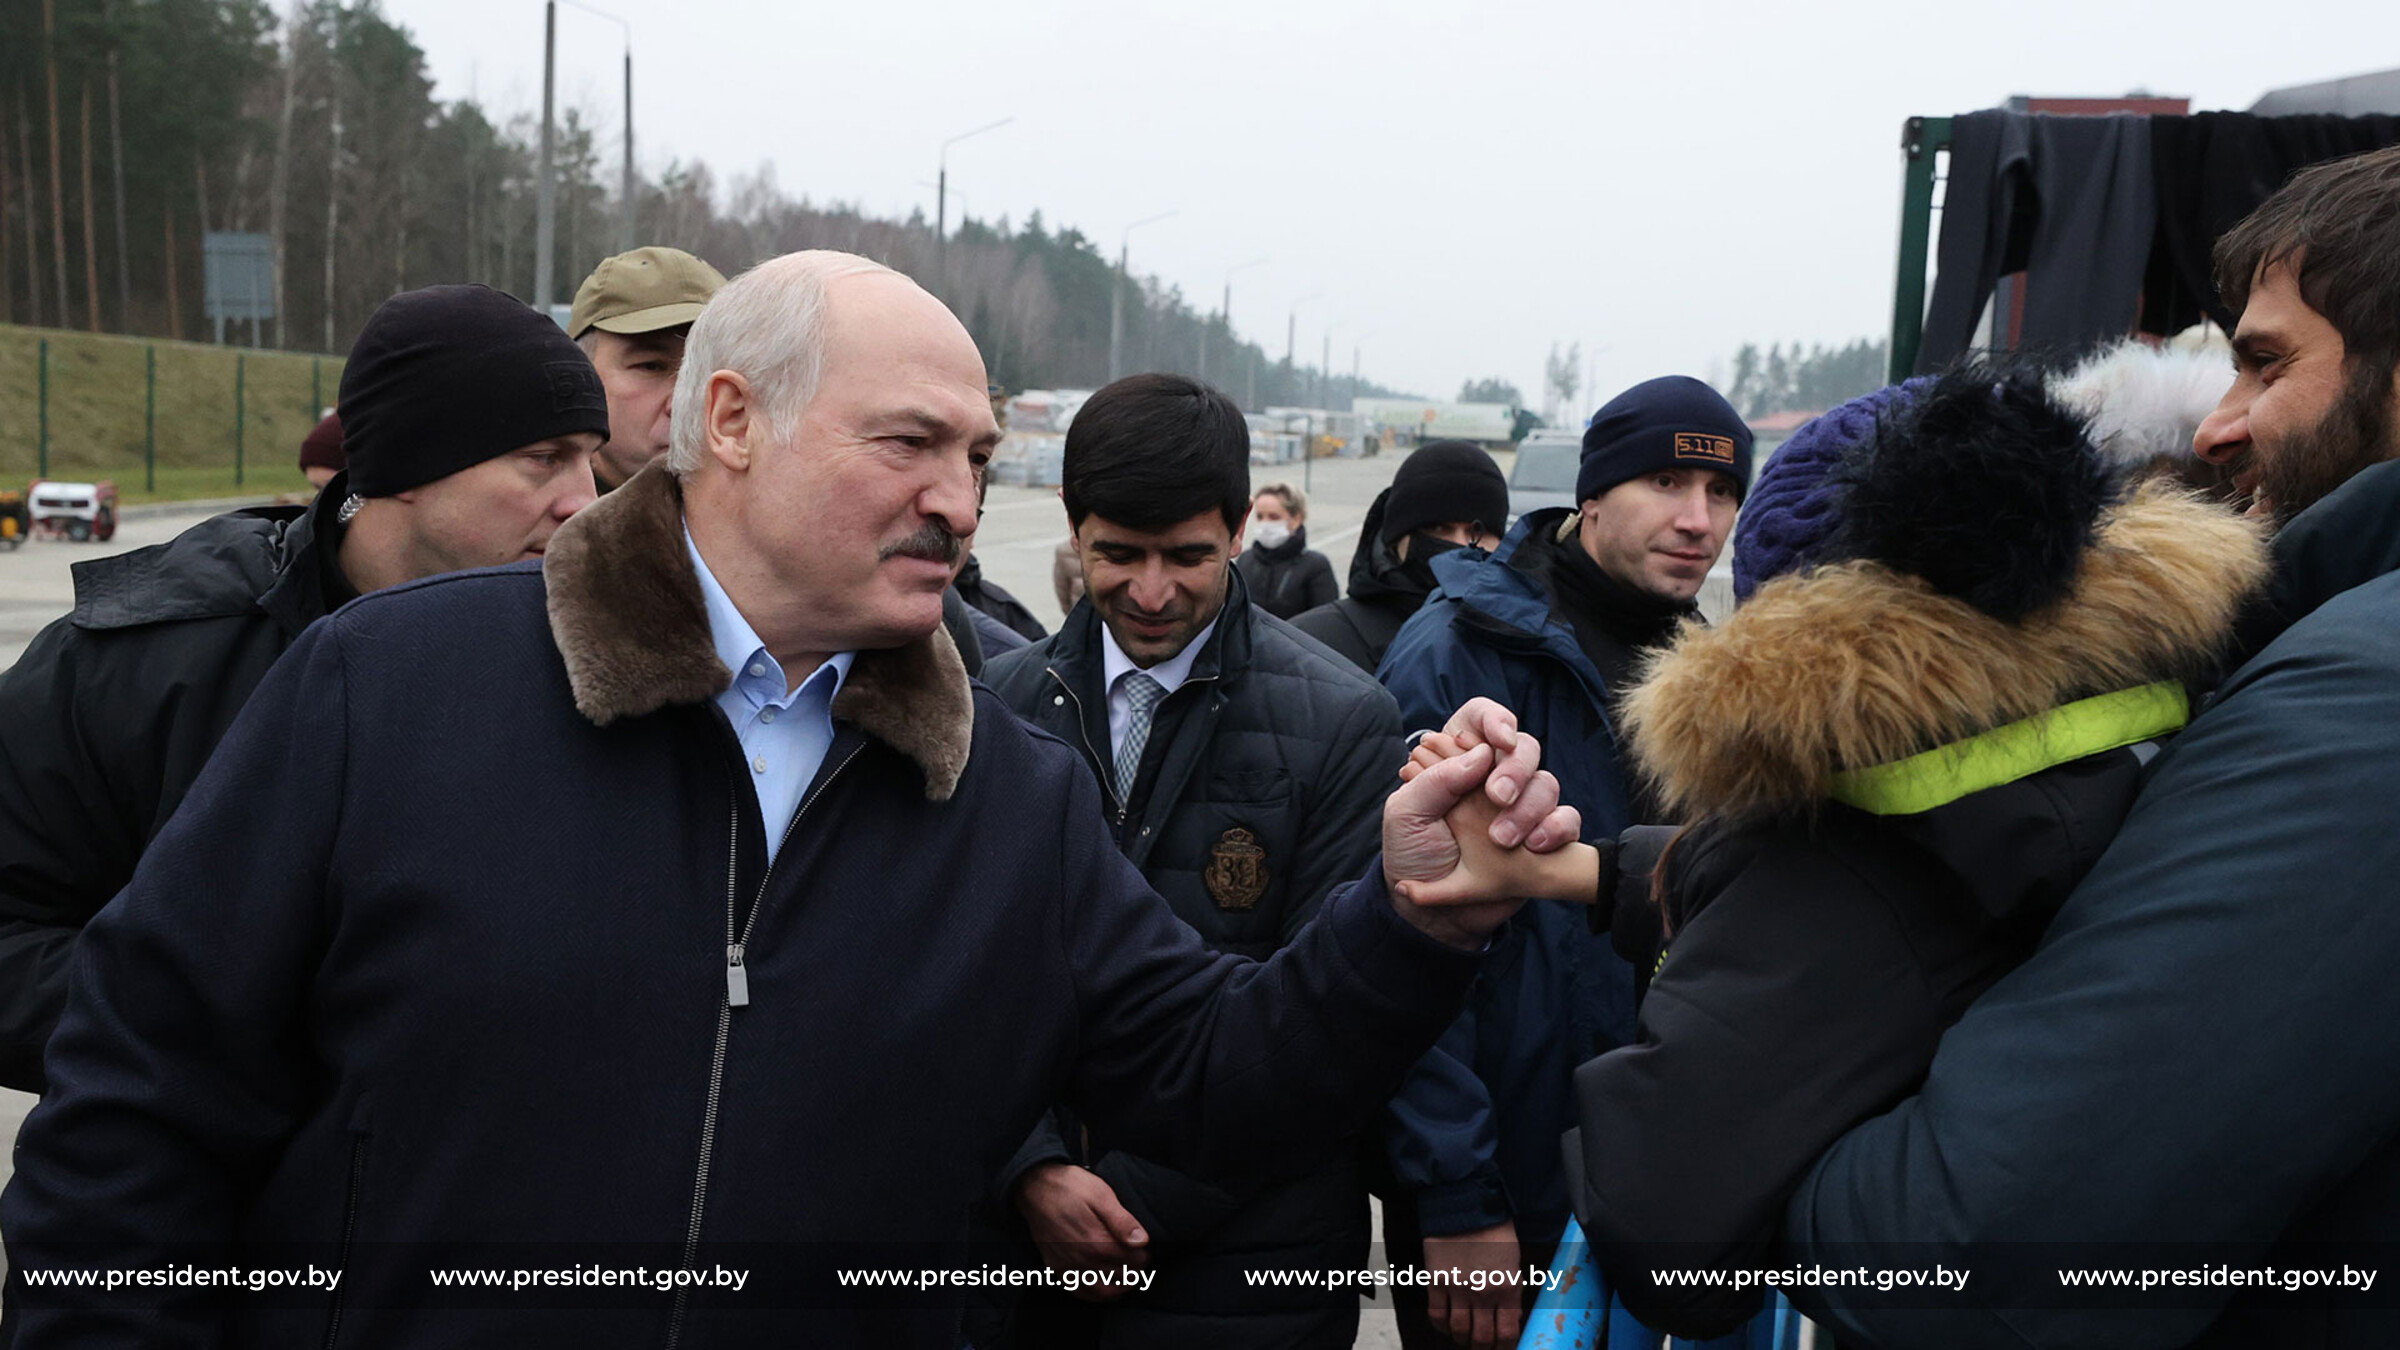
260	560
2347	540
1076	655
628	616
312	544
1851	666
1504	604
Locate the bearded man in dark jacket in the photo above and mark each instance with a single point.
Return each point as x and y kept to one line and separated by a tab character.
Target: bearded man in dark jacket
1447	494
1246	792
677	910
2193	1071
469	427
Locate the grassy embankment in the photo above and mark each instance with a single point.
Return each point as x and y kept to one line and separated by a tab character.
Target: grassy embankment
97	414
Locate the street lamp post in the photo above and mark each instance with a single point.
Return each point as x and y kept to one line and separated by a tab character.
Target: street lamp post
625	233
1116	297
1291	333
941	209
1225	315
1308	460
545	208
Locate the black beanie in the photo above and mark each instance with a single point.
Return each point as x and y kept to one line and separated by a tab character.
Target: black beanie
1673	422
1445	481
445	378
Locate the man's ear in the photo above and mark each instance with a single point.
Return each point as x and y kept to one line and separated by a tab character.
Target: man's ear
729	419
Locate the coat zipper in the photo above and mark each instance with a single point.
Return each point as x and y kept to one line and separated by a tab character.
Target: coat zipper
358	1177
737	995
1107	780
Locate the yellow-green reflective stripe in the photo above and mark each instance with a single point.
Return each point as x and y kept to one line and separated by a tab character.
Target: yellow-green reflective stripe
2019	750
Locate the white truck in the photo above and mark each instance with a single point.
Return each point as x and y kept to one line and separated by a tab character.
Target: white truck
1491	425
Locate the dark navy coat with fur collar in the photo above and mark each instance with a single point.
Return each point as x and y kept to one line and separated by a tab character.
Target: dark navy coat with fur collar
431	970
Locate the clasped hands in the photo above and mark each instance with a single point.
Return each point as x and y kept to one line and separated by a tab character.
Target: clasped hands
1476	828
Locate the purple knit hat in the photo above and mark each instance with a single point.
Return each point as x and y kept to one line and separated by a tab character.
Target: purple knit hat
1795	505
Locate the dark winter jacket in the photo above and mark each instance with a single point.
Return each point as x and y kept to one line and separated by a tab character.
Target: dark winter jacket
1289	578
989	598
1474	1133
2194	1068
110	714
1827	926
1268	745
1384	591
433	969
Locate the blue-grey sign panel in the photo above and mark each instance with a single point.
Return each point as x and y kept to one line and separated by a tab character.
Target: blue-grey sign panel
238	275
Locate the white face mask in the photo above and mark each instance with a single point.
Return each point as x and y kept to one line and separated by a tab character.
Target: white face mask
1271	533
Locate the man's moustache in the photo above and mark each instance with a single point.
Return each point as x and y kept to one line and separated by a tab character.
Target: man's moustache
932	543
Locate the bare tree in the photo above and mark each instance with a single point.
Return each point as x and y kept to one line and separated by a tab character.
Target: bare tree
91	247
1562	378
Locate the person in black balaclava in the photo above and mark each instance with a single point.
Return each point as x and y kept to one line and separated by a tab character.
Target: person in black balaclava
1448	494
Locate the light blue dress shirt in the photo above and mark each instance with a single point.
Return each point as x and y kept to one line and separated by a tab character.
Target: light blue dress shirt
784	732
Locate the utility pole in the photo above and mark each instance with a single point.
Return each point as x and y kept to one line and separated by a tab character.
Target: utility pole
282	177
625	230
333	204
627	241
1116	298
1224	314
1291	340
545	218
941	210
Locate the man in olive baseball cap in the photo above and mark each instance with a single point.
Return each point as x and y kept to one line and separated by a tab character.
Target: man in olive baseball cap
630	316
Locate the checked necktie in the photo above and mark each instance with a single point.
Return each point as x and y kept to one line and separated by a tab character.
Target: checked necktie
1143	693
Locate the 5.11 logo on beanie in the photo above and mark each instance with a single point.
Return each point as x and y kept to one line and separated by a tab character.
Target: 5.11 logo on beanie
574	385
1703	447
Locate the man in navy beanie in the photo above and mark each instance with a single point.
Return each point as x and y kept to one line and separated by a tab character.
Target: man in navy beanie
1552	625
468	422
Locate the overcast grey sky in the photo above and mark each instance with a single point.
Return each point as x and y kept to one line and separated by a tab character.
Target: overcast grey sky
1462	183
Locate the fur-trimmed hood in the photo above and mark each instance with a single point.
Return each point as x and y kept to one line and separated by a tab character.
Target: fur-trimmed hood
1857	665
628	616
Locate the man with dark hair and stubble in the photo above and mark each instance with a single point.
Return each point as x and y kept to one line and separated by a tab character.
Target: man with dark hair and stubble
2193	1072
1240	766
2316	281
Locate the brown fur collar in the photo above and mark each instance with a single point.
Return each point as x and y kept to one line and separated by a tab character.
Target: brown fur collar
1855	665
628	616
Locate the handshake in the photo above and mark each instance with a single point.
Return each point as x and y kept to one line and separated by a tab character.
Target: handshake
1476	828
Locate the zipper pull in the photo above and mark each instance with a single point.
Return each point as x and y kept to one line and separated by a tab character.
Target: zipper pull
737	979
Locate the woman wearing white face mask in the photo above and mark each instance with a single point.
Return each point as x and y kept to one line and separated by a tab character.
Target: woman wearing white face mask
1284	576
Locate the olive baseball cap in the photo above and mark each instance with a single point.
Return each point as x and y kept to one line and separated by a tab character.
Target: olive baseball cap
643	291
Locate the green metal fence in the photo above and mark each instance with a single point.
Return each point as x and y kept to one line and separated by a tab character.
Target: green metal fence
160	419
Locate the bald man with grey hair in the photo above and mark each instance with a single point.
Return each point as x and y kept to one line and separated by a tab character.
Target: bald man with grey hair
613	951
